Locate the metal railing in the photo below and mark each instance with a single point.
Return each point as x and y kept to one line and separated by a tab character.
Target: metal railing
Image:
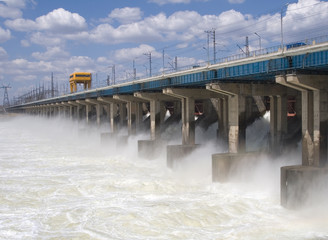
232	58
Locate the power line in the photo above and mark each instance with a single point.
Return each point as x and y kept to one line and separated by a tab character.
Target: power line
149	58
6	102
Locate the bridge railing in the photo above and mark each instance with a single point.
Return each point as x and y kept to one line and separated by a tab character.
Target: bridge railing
236	57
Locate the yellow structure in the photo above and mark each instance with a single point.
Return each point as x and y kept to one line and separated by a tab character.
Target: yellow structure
80	77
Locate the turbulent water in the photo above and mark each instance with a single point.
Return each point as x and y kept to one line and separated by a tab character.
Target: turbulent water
59	182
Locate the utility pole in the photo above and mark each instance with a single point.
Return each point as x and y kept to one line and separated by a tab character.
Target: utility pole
281	26
214	43
113	73
163	60
208	46
134	70
5	96
52	85
149	58
247	47
212	34
107	80
176	63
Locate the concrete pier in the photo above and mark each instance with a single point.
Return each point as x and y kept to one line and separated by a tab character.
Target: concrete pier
87	109
303	186
134	111
99	109
187	98
240	105
175	153
152	148
225	166
297	181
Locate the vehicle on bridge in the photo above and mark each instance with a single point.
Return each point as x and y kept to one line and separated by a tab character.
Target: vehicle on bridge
84	78
295	45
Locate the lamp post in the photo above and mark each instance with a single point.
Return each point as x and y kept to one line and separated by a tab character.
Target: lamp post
281	26
259	40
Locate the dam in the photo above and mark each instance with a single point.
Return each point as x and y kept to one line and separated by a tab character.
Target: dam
289	81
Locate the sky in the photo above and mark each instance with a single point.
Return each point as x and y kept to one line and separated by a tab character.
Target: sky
39	38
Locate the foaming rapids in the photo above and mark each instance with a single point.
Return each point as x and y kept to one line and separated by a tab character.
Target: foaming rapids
58	182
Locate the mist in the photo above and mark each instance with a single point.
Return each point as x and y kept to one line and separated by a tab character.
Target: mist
59	180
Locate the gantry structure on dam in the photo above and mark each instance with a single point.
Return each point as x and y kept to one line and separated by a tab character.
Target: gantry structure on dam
232	92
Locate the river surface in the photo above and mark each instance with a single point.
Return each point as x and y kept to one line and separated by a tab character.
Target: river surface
59	182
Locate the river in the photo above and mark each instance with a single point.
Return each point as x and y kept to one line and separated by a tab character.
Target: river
57	182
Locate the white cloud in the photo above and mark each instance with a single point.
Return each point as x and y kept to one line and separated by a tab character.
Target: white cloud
126	54
185	61
45	40
9	12
126	15
135	32
61	21
52	53
3	54
5	35
180	26
58	21
25	43
15	3
20	24
162	2
12	8
236	1
21	68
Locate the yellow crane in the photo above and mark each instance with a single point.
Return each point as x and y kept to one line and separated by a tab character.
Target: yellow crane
84	78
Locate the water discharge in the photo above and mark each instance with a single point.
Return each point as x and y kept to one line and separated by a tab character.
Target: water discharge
57	182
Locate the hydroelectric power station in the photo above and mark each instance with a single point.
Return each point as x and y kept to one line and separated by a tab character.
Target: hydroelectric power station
290	81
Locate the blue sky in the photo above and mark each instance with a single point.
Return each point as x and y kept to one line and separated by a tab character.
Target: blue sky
39	37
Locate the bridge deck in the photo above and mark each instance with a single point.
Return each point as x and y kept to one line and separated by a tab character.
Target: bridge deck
252	68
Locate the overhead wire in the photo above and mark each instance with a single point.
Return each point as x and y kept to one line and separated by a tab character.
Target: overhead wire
253	24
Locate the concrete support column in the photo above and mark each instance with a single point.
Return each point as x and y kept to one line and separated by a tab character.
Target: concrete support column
122	108
233	119
278	122
99	109
187	98
152	148
87	109
115	107
232	111
221	108
139	115
188	120
223	119
71	111
187	113
66	109
314	115
300	184
112	115
311	128
157	111
132	124
132	111
155	119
